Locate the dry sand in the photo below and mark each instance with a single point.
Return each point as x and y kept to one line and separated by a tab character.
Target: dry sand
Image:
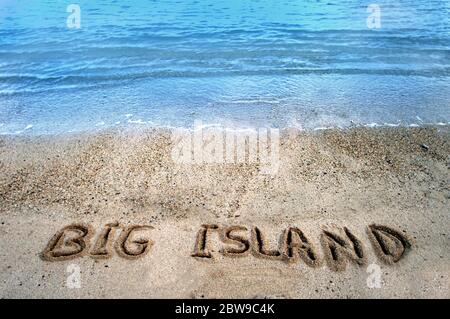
327	180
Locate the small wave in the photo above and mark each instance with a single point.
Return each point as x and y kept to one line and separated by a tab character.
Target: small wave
69	82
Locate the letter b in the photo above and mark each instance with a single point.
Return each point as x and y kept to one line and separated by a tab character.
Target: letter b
70	242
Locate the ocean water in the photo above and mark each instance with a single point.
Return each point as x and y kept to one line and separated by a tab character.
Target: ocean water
240	63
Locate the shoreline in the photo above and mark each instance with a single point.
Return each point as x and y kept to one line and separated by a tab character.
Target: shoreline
138	126
327	180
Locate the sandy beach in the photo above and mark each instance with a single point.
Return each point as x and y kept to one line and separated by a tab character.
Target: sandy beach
329	182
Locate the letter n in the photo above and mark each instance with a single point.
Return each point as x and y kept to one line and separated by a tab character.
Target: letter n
341	248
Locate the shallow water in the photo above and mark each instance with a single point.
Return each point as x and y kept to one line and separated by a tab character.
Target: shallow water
277	63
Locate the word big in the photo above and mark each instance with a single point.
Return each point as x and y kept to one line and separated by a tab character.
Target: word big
74	240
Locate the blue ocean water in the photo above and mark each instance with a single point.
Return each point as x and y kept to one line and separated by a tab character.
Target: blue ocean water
240	63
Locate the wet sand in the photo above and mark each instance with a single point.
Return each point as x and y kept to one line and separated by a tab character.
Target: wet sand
327	180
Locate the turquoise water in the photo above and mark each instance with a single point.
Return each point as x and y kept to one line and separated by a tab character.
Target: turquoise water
277	63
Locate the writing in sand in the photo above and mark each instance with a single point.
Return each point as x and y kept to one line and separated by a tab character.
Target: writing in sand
339	245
